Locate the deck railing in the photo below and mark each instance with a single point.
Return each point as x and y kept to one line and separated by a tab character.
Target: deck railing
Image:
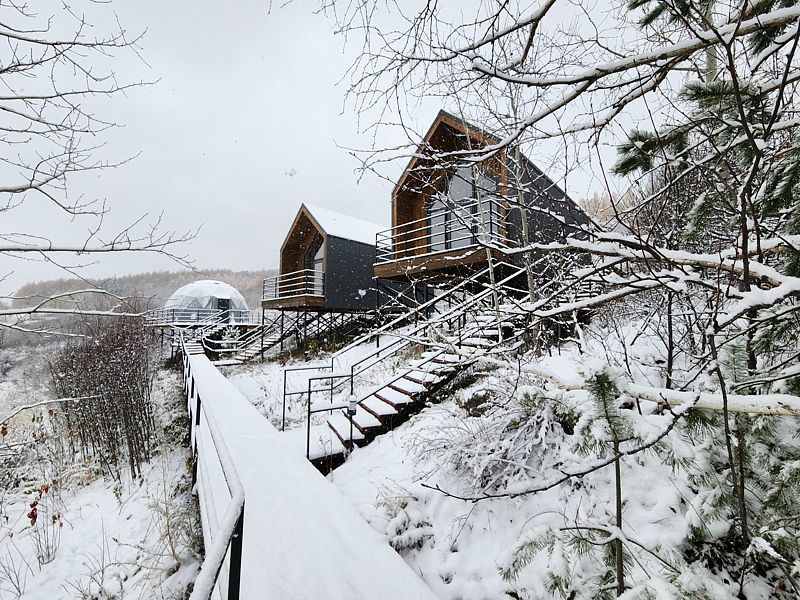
306	282
185	317
450	228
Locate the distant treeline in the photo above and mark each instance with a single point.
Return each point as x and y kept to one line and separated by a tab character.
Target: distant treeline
154	287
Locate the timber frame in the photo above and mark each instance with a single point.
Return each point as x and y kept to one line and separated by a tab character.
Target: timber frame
420	180
412	249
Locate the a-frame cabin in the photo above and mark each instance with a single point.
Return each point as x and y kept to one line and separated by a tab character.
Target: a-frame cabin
447	208
325	264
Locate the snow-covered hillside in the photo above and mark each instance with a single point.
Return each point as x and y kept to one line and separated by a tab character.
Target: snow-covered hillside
505	487
69	530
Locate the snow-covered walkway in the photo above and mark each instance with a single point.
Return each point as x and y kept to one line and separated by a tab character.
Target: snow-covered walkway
302	538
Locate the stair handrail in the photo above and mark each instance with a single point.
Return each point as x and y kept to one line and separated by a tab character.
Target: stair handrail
419	310
424	324
239	343
401	342
232	344
443	349
199	329
414	313
393	348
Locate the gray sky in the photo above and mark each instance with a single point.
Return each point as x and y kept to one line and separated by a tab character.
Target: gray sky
242	126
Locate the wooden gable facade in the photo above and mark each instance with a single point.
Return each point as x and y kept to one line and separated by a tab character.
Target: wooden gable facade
325	264
446	208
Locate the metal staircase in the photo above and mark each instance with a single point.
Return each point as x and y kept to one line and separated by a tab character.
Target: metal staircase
453	328
363	417
255	341
209	325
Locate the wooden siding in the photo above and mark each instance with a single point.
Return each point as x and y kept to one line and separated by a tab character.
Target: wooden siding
424	176
297	242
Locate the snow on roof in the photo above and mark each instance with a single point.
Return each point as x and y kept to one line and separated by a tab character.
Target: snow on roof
345	226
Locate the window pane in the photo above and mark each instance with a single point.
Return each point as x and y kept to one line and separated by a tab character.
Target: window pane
460	189
437	220
487	188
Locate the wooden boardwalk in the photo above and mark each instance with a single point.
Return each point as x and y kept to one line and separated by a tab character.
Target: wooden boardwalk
301	538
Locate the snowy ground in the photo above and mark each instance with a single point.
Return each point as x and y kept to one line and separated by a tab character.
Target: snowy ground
94	537
23	380
114	541
553	543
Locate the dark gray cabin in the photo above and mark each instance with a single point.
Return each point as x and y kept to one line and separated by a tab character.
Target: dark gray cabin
325	264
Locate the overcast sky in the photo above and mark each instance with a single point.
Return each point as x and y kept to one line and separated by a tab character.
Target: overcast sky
243	124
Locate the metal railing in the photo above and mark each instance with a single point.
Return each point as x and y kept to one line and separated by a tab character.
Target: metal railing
306	282
329	381
245	337
450	228
436	350
187	317
212	466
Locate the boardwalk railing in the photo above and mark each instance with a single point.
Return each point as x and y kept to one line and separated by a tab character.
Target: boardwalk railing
221	497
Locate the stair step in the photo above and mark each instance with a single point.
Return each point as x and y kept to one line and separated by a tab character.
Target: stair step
428	366
492	332
493	318
442	358
474	342
365	420
424	377
340	425
324	442
378	407
407	386
394	397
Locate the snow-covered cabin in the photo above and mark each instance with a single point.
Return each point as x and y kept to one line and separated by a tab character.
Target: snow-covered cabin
325	264
442	212
200	300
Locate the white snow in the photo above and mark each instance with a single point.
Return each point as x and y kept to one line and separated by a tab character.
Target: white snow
302	538
344	226
109	543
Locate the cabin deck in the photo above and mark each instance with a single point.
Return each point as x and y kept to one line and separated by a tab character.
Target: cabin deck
445	262
307	301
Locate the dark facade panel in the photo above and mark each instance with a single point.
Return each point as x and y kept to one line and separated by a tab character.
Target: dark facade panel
348	275
552	215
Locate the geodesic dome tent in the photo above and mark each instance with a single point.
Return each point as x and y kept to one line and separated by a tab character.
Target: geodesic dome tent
204	299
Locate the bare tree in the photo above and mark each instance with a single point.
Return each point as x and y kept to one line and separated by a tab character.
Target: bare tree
699	98
57	67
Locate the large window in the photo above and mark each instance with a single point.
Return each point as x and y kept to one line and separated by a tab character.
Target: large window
315	262
454	217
